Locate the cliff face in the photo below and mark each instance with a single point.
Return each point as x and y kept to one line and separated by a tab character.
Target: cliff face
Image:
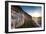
17	18
21	18
18	9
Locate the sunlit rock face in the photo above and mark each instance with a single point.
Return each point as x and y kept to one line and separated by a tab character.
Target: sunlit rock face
37	20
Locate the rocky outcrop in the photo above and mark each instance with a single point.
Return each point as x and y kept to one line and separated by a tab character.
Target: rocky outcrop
22	19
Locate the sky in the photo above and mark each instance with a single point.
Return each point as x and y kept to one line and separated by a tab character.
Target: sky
32	10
